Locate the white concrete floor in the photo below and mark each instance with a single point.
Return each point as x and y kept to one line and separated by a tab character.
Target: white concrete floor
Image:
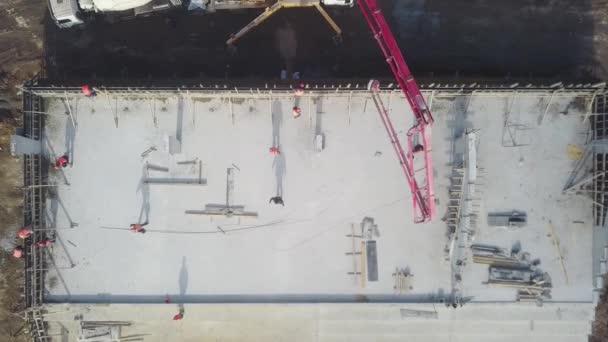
298	251
332	322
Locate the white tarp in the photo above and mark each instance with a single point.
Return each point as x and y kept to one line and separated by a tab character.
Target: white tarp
118	5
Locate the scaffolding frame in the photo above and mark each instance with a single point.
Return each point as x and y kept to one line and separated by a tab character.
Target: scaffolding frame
589	177
600	158
34	176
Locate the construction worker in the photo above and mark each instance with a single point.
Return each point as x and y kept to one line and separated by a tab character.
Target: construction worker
297	111
88	91
61	162
24	233
277	200
44	243
180	314
418	148
274	151
299	90
138	228
18	252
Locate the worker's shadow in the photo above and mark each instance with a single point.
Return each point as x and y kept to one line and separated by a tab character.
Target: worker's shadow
70	135
458	124
280	169
52	207
277	122
180	119
144	212
319	116
287	45
183	283
54	202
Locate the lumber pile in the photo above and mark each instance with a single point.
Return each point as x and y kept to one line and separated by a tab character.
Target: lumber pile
514	270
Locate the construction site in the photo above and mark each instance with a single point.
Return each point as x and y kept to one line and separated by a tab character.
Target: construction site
310	208
194	164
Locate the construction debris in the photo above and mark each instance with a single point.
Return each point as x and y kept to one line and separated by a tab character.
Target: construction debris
319	142
575	152
418	314
175	181
148	151
492	255
157	167
462	209
369	229
558	250
517	276
403	280
223	210
91	331
372	260
185	162
515	269
507	219
227	209
358	273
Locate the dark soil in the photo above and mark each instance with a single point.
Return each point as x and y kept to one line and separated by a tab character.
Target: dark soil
523	38
20	59
600	326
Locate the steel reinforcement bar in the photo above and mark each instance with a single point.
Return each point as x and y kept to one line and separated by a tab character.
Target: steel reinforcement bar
48	88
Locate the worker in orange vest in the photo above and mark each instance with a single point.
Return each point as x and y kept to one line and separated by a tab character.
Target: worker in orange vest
180	314
18	252
274	151
138	228
297	111
24	233
61	162
44	243
88	91
299	90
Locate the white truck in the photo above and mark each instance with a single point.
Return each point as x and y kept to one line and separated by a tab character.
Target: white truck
68	13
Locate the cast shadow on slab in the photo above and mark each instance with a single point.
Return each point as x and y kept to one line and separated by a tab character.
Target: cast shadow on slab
440	297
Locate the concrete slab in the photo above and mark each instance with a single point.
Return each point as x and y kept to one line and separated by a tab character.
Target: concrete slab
332	322
297	252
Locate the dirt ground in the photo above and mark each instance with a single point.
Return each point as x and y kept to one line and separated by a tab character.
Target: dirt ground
20	59
600	326
555	39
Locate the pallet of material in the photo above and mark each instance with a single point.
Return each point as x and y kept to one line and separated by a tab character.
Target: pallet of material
498	260
523	275
526	297
515	284
175	181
